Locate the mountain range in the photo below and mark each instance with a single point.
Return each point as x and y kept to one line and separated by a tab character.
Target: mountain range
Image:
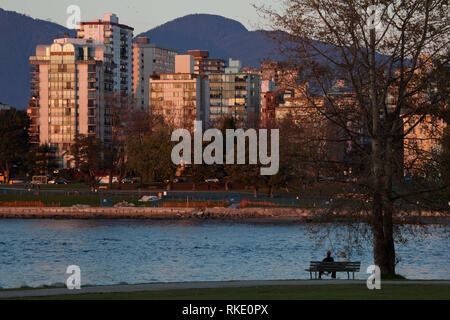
223	38
19	35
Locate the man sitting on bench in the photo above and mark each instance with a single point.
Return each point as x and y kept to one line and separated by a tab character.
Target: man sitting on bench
329	258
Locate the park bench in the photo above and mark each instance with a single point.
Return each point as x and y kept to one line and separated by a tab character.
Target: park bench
319	266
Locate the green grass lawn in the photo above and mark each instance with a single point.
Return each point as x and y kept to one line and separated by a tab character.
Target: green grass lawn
66	201
70	186
318	292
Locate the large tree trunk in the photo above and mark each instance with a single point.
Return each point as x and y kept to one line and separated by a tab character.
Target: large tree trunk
388	208
382	230
383	207
383	240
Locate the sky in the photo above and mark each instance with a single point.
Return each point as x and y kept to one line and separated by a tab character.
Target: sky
140	14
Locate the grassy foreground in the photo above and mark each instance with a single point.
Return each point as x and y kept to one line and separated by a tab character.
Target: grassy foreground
318	292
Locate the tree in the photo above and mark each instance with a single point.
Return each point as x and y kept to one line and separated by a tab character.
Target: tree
14	139
86	156
150	156
298	153
247	175
139	126
444	160
121	109
42	160
198	173
384	53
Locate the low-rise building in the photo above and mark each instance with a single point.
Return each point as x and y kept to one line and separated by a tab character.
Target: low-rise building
203	64
182	97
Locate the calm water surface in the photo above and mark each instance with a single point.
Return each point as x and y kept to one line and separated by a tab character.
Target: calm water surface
37	252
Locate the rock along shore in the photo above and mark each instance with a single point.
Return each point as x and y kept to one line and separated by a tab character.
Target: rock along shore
262	214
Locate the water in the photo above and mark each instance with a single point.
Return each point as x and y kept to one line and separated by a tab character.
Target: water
37	252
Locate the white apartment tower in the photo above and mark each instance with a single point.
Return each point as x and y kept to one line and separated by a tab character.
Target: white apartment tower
118	58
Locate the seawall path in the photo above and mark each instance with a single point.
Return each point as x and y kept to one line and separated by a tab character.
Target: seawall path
255	214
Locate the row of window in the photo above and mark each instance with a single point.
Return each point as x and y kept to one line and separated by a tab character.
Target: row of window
186	86
171	103
57	68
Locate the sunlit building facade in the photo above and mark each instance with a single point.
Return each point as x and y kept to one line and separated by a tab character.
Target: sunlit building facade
182	97
118	57
71	80
149	59
66	94
234	95
203	64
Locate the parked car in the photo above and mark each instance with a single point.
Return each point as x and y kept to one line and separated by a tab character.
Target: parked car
130	180
58	181
212	180
105	180
149	199
327	179
18	181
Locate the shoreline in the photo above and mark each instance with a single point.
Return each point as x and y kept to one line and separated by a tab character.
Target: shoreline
262	215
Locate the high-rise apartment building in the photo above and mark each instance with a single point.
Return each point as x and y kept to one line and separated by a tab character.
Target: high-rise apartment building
71	80
118	58
203	64
235	95
66	94
149	59
182	97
